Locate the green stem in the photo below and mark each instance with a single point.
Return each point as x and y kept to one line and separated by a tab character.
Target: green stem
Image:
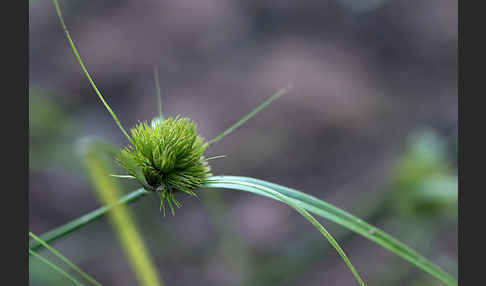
85	70
78	223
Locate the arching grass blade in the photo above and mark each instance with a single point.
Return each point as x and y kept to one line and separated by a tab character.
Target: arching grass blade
304	213
347	220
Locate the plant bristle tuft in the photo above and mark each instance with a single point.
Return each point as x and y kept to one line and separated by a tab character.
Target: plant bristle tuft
170	155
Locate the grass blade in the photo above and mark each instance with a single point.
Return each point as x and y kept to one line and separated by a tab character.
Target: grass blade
121	219
345	219
254	112
63	258
307	202
304	213
55	267
85	70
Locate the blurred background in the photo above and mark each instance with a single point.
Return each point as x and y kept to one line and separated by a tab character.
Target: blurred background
370	126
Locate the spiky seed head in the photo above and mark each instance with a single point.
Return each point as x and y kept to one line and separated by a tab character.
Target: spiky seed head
170	155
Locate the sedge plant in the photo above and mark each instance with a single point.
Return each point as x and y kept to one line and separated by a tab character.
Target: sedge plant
167	157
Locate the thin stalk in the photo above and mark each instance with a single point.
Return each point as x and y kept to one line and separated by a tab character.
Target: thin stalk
90	217
254	112
123	176
55	267
85	70
215	157
63	258
157	92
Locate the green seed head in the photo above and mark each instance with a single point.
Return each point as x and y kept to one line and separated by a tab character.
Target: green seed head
170	156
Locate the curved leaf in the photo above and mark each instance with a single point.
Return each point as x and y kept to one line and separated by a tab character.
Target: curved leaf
307	202
343	218
299	209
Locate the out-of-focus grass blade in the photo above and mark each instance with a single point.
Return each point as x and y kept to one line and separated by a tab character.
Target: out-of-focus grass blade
63	258
55	267
120	218
340	217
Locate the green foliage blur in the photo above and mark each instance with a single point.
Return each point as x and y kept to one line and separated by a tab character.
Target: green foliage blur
425	178
52	132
